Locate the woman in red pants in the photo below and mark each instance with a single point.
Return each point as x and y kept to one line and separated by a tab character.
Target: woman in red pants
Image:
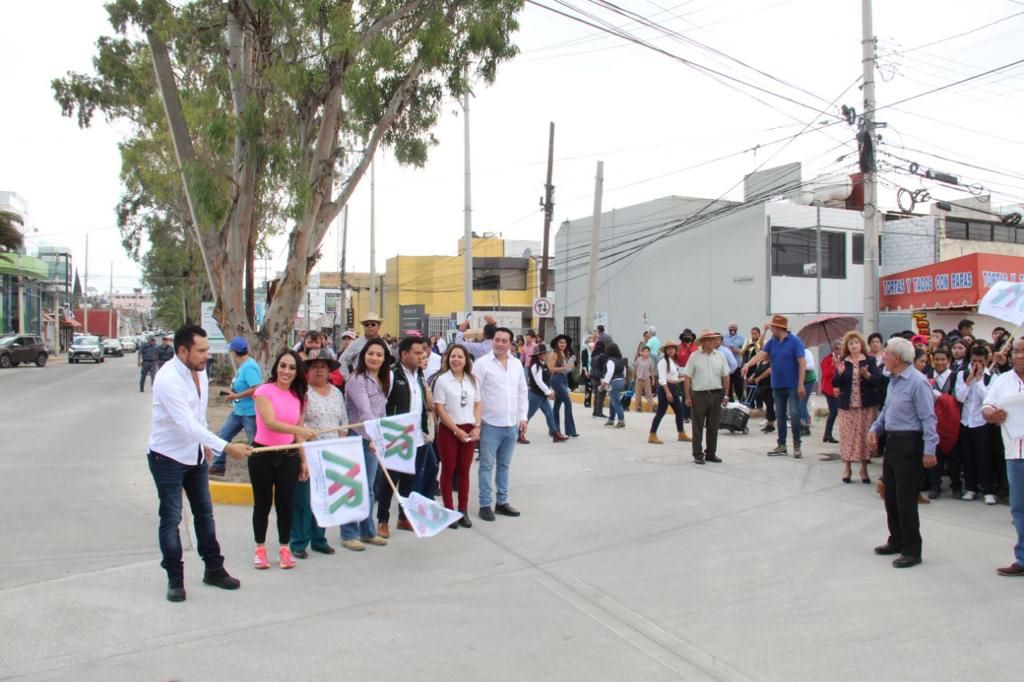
457	403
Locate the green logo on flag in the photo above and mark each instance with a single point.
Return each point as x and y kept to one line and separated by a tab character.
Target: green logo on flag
398	439
346	490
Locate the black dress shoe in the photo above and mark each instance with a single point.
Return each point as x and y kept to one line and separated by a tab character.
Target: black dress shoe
486	514
904	561
887	549
698	460
300	554
465	522
505	510
712	458
326	549
221	579
454	525
175	591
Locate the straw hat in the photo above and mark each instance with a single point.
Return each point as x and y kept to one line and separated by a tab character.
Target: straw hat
670	343
708	334
371	317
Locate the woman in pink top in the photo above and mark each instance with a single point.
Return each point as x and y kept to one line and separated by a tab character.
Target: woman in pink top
279	418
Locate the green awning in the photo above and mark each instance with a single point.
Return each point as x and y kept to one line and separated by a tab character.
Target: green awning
26	266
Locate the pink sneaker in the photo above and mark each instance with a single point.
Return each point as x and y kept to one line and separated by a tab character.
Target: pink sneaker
285	555
259	558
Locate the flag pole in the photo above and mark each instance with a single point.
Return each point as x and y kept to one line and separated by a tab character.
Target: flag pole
387	476
289	446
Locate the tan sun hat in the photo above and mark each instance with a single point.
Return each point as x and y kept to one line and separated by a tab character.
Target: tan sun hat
708	334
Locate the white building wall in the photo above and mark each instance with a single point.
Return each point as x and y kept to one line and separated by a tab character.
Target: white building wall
908	243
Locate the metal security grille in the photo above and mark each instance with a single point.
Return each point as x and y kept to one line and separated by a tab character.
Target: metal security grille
571	328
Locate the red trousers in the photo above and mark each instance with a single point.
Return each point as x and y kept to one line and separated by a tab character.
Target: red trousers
456	460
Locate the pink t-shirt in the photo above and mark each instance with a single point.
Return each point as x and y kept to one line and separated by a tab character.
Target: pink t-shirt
287	409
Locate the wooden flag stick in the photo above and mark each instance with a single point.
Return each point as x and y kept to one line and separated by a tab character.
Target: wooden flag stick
290	446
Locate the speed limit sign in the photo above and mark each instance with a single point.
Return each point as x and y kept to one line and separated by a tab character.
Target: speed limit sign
543	307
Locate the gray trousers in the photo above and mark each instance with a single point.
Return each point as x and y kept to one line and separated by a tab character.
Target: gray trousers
707	411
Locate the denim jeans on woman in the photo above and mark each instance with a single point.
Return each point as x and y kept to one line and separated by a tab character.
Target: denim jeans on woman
365	528
615	400
560	385
540	402
787	404
233	425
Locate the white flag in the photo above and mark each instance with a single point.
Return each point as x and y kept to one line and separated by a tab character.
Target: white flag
338	489
1004	301
428	518
395	438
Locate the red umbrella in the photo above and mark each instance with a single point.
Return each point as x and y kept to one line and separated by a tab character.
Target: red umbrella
822	330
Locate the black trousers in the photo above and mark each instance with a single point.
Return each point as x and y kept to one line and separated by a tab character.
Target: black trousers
901	473
707	413
273	476
949	463
976	446
599	395
666	400
764	392
737	388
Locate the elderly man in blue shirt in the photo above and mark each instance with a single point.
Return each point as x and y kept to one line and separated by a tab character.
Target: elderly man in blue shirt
733	342
908	421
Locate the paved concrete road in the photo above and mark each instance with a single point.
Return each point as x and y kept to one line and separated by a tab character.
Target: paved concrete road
629	563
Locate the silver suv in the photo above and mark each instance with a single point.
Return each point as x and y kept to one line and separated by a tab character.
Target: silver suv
85	348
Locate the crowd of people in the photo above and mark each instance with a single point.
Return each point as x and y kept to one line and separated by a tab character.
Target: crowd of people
479	391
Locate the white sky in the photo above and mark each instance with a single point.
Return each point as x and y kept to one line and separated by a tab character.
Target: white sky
653	121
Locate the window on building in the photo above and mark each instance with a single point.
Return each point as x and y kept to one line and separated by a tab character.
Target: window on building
956	229
858	249
500	274
794	252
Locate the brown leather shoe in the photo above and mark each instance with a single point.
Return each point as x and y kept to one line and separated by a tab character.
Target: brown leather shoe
383	530
684	436
559	438
522	440
403	524
653	438
1012	570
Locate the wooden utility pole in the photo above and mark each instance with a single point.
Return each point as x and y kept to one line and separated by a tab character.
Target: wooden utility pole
549	209
595	248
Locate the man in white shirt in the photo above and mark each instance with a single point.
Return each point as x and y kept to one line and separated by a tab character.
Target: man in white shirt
503	397
975	434
996	411
180	446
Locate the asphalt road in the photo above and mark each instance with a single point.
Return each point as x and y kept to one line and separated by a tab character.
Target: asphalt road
629	563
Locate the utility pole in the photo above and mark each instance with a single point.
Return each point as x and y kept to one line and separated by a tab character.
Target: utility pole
595	247
86	292
869	143
110	303
341	272
467	239
549	209
373	238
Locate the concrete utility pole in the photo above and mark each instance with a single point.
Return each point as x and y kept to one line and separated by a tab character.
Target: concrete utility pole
595	248
341	272
549	209
872	217
110	304
85	307
373	239
467	239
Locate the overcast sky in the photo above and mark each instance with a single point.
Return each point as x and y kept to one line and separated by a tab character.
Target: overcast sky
658	124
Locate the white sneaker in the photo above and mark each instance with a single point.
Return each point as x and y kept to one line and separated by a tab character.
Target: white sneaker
969	496
990	499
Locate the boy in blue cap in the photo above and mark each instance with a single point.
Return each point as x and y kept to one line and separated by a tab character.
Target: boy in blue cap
248	378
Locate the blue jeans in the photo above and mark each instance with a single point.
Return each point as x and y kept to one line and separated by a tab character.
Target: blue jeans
787	403
1015	477
560	385
615	400
496	444
365	528
805	413
540	402
232	426
305	529
833	412
171	477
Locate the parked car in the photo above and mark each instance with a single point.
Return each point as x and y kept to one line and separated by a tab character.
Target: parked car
86	348
128	344
18	348
112	347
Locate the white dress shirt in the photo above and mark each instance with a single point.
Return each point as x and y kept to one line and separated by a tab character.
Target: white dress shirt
503	394
1002	387
416	402
433	364
971	395
940	381
179	414
668	370
448	391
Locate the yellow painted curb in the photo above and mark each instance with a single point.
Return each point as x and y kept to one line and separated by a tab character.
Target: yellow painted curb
231	493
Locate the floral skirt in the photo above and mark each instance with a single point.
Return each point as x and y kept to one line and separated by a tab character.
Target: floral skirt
853	433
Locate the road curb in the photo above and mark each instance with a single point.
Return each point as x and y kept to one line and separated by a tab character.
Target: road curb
231	493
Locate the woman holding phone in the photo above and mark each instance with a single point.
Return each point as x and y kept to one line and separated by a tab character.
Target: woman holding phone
457	404
280	406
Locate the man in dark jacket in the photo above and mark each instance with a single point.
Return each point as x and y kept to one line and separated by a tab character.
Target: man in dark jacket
147	360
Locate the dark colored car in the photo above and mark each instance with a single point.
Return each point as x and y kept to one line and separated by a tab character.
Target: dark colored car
18	348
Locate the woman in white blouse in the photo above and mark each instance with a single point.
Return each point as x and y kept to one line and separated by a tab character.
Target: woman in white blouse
669	380
457	404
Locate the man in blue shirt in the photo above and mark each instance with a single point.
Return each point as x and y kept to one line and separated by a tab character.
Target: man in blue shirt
908	421
733	342
248	378
786	352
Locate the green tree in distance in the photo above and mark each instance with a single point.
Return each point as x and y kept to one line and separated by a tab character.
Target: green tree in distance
273	110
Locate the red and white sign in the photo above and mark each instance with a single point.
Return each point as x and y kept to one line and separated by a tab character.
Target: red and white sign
954	283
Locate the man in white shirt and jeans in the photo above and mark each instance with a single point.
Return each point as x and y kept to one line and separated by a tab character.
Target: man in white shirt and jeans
180	447
503	397
995	411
